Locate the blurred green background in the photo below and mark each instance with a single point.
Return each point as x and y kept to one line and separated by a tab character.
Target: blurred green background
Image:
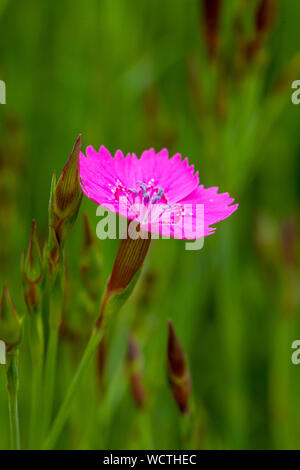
216	87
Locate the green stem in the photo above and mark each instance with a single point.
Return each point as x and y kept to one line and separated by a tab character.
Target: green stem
49	379
145	430
60	420
187	430
54	319
37	353
125	273
12	385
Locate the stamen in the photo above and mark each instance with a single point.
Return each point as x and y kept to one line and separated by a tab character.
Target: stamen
158	196
142	185
146	196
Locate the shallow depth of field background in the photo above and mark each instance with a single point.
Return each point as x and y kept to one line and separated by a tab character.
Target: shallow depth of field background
134	75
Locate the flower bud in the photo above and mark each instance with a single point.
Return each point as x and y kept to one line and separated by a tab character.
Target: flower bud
10	322
178	371
90	261
66	196
264	20
32	269
129	260
211	20
265	15
125	272
134	369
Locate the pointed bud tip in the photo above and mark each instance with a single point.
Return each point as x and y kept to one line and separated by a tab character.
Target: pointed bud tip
74	154
174	347
6	294
66	195
33	234
170	326
172	338
176	356
10	322
53	179
178	371
32	258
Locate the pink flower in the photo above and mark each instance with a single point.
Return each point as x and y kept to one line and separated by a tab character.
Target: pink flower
161	193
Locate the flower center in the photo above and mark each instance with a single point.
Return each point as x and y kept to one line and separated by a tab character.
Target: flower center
149	193
149	200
